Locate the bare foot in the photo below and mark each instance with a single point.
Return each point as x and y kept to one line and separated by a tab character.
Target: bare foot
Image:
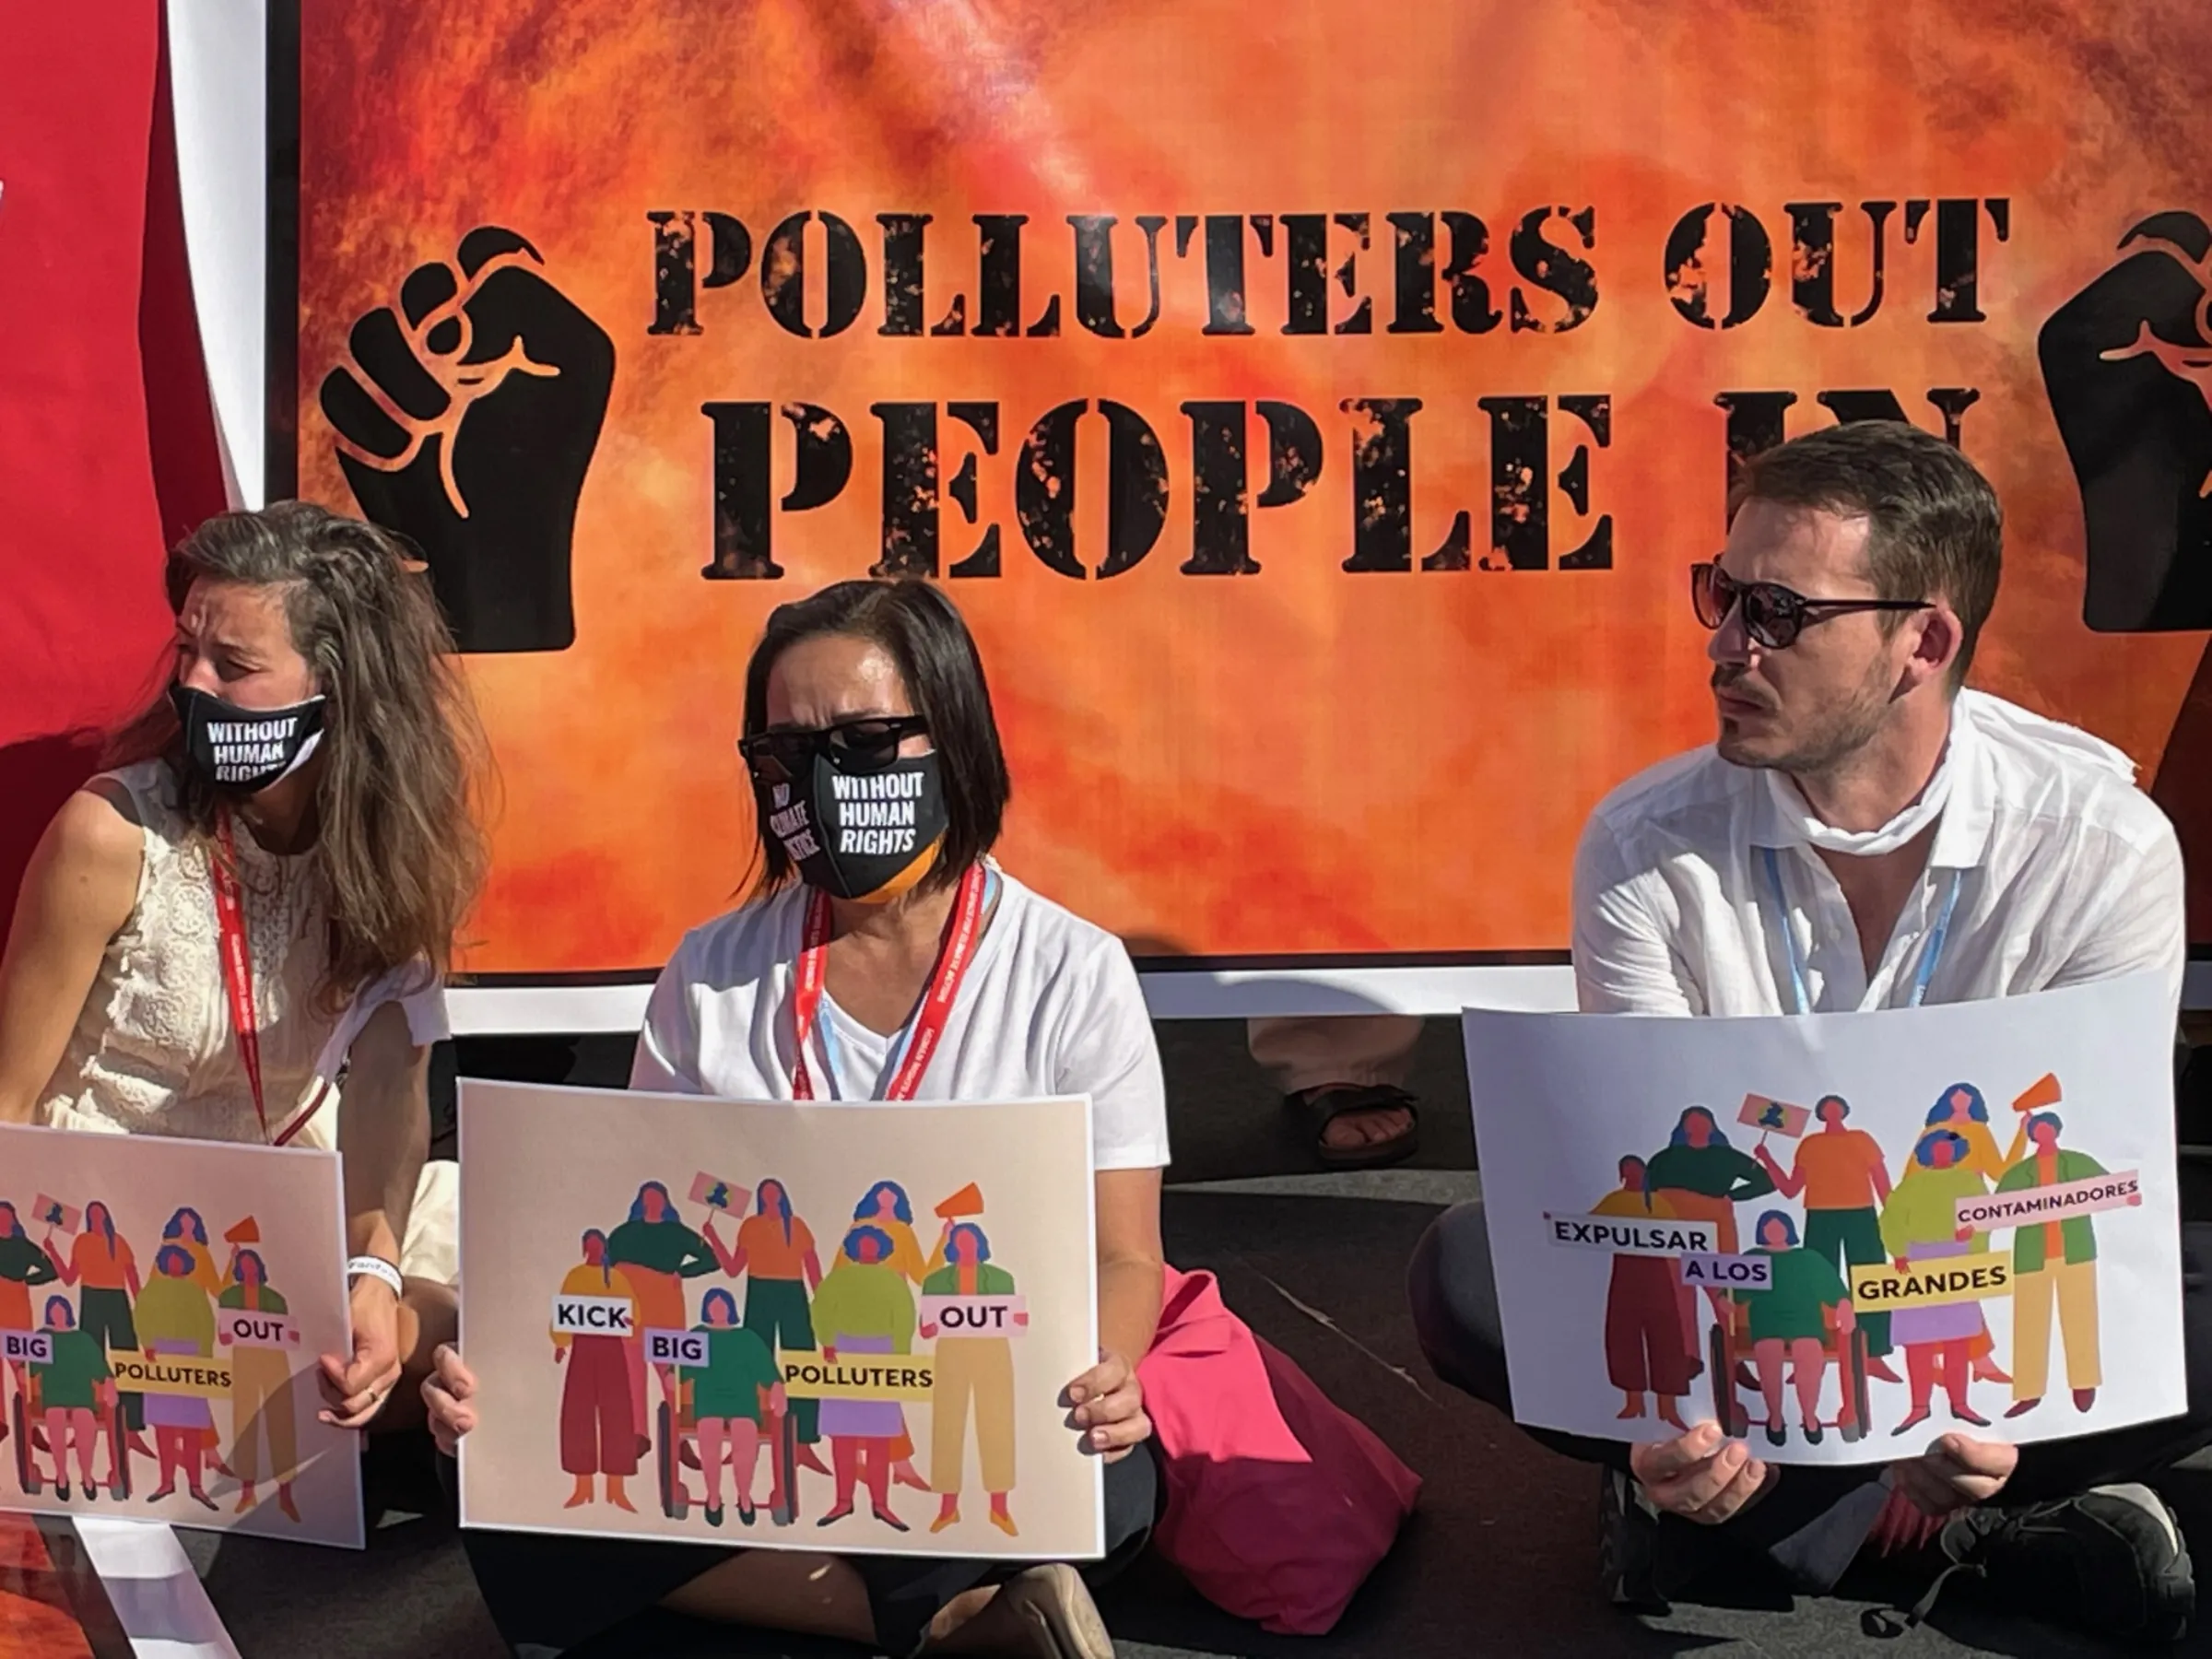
1353	1131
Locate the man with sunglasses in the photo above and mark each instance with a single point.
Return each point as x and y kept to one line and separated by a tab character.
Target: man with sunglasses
1865	834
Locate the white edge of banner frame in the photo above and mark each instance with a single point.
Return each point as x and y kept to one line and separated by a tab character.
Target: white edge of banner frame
219	58
1434	992
219	88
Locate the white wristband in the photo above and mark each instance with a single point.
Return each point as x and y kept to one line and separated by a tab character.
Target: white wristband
376	1267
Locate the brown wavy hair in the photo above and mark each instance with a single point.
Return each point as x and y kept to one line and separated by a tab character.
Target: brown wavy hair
400	805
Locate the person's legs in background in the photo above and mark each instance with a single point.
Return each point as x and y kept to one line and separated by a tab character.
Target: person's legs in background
1345	1076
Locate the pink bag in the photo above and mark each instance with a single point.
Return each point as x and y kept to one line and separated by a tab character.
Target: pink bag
1279	1503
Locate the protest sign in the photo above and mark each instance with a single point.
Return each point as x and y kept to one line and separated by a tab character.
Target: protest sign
1977	1228
761	1373
163	1304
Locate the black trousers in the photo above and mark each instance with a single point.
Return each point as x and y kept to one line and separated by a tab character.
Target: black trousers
547	1590
1454	1297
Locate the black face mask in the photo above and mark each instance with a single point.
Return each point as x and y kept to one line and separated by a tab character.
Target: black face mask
865	835
245	750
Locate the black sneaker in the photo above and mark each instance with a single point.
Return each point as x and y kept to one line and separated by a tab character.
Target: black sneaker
2110	1559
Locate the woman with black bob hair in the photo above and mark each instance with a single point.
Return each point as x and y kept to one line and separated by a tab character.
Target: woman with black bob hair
865	693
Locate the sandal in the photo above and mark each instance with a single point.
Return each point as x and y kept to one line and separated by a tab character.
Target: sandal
1320	1107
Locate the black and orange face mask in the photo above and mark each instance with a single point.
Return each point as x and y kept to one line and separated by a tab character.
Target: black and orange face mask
862	834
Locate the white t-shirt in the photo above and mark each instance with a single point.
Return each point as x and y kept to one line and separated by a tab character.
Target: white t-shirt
1050	1005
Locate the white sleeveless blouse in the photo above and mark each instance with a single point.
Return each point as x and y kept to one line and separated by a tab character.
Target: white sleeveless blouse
154	1052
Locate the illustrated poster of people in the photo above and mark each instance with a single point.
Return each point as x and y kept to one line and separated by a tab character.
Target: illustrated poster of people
1839	1236
839	1327
163	1305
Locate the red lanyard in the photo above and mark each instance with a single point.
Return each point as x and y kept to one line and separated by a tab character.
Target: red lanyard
238	979
955	953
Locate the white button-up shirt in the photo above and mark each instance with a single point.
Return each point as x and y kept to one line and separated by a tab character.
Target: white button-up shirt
2066	873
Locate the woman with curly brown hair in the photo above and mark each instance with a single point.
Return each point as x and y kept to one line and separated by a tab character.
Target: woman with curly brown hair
263	895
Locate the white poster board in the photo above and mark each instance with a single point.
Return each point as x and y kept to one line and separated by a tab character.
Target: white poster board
731	1323
163	1305
1685	1225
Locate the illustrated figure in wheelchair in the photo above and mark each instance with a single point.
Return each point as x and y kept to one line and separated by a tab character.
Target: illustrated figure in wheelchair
72	1396
1788	1333
729	1405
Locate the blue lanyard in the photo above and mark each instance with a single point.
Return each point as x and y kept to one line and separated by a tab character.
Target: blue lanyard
827	1026
1931	953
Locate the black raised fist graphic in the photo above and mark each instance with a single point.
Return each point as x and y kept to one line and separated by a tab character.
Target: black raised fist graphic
467	420
2128	365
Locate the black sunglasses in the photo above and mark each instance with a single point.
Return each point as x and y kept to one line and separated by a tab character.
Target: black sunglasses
851	745
1773	615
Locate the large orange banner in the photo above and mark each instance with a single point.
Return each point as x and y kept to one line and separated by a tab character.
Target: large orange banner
1315	407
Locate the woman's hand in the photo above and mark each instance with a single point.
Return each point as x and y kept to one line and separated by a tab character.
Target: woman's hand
1107	1403
357	1389
446	1394
1702	1476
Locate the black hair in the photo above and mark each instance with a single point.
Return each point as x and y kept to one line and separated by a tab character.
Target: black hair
923	634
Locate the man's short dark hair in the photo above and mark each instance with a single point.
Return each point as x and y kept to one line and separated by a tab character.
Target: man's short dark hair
937	662
1935	529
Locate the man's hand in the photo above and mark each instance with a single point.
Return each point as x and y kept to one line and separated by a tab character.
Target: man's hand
1956	1471
358	1388
1702	1476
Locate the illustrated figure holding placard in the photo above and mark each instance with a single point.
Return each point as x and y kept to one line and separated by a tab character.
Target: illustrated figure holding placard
864	1306
105	1266
260	1384
1843	1177
598	1410
175	1317
2054	1261
656	1252
75	1389
733	1396
973	1372
1920	1224
775	1252
23	1267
